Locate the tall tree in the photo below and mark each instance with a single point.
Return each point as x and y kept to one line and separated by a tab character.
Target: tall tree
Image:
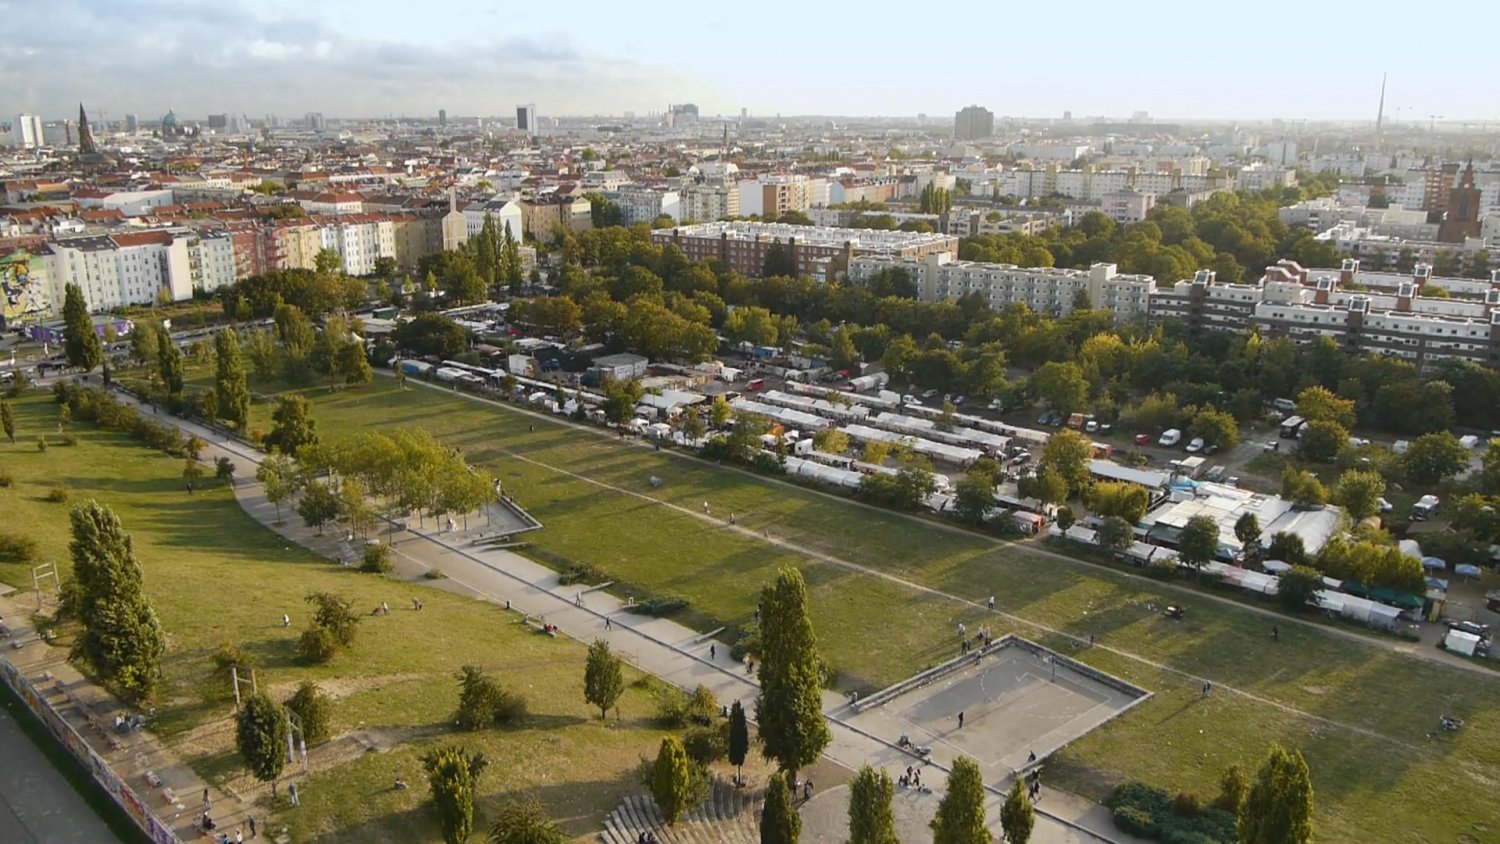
292	425
122	638
789	711
1279	806
1017	818
870	818
1359	491
524	822
1198	543
739	738
509	271
318	506
603	681
230	387
453	774
671	779
80	344
260	735
169	363
276	475
960	814
779	822
1247	529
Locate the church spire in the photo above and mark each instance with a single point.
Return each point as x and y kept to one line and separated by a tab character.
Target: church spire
86	145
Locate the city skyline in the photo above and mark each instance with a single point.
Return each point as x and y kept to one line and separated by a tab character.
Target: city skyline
372	59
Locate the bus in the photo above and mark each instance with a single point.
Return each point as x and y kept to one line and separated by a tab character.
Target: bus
755	385
1291	427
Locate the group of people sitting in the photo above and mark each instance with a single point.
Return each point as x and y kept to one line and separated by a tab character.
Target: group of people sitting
647	837
911	779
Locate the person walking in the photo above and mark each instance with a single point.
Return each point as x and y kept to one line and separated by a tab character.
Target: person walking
250	819
713	652
607	624
960	719
992	603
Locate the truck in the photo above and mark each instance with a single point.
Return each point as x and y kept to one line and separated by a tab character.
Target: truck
1169	438
873	381
1291	427
1425	508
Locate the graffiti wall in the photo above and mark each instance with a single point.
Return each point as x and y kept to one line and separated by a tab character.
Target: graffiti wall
23	291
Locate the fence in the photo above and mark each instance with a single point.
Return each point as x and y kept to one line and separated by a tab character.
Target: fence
155	829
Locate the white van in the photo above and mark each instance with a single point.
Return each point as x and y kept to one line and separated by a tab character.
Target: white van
1169	438
1284	405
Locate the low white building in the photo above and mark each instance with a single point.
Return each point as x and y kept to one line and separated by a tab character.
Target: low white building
643	203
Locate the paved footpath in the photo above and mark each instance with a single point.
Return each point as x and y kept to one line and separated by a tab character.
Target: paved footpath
660	647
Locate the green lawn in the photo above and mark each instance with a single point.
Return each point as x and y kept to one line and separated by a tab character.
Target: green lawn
1362	712
215	575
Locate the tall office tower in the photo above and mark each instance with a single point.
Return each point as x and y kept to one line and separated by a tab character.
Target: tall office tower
26	132
526	118
132	124
973	123
442	117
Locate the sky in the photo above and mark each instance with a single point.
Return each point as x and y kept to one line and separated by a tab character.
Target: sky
371	58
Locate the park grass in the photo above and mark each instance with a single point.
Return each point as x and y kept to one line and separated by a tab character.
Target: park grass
215	575
1378	774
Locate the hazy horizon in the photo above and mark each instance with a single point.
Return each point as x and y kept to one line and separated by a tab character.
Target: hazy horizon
1175	60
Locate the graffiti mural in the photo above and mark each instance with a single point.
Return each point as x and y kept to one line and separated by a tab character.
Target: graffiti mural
22	290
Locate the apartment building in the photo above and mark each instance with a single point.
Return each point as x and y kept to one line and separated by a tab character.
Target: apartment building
359	239
973	123
644	203
774	195
540	216
506	212
211	262
710	201
1127	206
1046	290
815	251
112	271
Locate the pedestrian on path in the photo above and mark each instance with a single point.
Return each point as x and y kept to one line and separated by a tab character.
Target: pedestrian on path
713	652
960	719
1207	687
286	620
208	804
992	603
578	599
705	508
250	819
607	625
291	793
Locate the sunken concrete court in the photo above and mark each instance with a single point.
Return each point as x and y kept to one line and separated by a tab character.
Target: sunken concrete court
1017	698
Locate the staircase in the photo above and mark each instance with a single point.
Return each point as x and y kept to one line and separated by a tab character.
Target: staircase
729	816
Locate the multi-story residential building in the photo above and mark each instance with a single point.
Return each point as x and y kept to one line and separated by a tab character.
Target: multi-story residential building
813	250
542	215
1046	290
643	204
112	271
1127	206
1203	302
507	213
328	202
291	244
604	180
774	195
359	239
973	123
866	190
211	262
710	201
1261	176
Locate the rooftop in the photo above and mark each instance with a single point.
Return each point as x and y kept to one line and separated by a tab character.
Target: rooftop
869	239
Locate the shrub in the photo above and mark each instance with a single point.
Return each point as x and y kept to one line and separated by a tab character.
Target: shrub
701	708
316	645
1187	805
706	745
70	439
377	560
314	708
660	607
229	654
1136	821
6	480
59	494
511	708
581	573
17	547
671	708
41	443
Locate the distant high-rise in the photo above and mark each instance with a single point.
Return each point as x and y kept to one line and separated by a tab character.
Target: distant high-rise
315	121
973	122
26	132
1380	111
684	114
218	121
526	118
744	113
86	145
132	124
442	117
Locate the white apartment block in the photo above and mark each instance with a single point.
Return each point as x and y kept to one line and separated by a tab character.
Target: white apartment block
1261	176
604	180
1127	206
211	260
642	204
359	239
709	202
1046	290
113	271
507	212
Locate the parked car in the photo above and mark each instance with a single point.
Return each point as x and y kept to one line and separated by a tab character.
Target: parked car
958	401
930	394
1091	426
1211	448
1169	438
1105	428
1020	458
1385	506
1143	439
1473	628
996	405
1195	445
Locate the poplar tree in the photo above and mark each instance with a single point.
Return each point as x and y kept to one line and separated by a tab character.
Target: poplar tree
960	815
1279	807
260	735
230	386
453	774
779	822
789	710
169	363
81	345
870	818
121	638
1017	817
671	779
603	681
